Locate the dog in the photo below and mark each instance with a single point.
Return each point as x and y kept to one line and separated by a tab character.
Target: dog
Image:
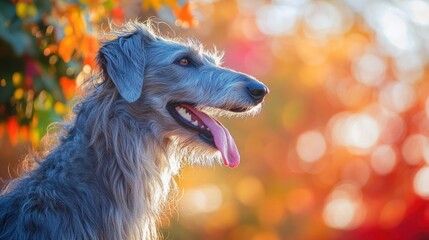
151	108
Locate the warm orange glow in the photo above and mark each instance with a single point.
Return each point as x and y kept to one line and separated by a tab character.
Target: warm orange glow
202	200
340	149
412	148
383	159
250	191
311	146
355	131
300	200
344	209
392	213
421	179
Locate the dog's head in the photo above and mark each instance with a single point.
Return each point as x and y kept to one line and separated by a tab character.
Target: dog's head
179	88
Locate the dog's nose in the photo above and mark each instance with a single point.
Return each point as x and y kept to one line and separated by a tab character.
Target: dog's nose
257	90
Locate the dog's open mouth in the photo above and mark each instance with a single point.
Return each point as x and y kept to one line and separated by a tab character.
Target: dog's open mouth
209	130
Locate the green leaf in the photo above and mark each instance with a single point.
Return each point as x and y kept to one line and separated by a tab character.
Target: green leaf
46	117
7	12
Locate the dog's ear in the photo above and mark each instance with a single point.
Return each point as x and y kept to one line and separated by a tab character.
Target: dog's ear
123	60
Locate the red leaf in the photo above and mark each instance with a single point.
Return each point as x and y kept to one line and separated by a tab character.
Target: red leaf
24	133
118	15
69	87
12	129
89	48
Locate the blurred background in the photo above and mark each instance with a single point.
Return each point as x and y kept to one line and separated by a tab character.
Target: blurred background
340	150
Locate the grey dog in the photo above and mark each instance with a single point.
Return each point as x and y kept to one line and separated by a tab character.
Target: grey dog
151	108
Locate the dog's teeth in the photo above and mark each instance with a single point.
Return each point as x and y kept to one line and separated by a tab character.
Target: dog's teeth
182	111
188	117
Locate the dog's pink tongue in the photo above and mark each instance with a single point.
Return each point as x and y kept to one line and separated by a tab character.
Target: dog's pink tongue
222	138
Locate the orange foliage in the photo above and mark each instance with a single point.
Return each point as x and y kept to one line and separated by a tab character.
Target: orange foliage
88	49
184	16
68	86
12	129
157	4
66	47
76	38
118	15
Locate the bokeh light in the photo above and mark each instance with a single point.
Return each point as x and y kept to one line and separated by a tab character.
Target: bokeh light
392	213
421	180
419	10
398	96
276	20
344	209
203	199
323	19
356	131
369	69
250	191
311	146
413	148
383	159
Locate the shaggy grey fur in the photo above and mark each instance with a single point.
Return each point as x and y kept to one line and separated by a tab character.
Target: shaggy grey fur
111	172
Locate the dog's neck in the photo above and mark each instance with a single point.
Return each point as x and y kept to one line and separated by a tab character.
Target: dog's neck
137	169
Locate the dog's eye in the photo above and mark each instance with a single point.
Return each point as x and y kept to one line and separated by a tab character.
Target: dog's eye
184	61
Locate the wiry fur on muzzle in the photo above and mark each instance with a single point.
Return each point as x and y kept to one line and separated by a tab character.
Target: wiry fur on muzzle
111	172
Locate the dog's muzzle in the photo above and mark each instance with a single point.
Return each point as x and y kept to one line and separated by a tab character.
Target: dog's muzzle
209	129
257	90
